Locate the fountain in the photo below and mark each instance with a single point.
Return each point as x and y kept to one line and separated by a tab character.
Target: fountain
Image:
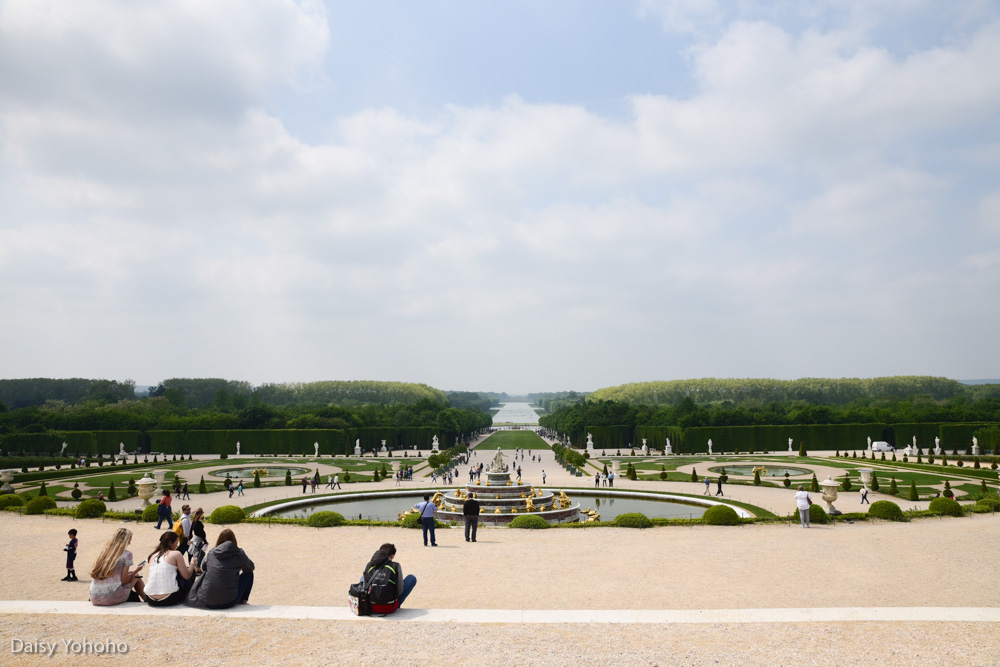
501	500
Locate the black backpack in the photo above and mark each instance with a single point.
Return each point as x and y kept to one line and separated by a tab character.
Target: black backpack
382	584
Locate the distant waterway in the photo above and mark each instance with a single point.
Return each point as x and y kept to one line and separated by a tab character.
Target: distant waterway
515	413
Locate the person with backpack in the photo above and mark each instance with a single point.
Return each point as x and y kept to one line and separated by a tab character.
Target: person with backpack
183	528
384	581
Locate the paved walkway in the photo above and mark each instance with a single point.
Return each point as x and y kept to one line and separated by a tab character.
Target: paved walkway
539	616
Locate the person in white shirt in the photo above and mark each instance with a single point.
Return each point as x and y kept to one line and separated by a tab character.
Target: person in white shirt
803	501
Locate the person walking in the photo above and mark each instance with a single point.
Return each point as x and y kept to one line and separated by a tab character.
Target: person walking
229	485
163	511
470	510
184	492
329	482
239	488
719	481
427	510
708	482
304	483
336	481
864	495
543	475
597	480
803	501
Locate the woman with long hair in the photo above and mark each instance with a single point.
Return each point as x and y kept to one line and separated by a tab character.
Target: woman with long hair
112	579
228	577
169	576
199	541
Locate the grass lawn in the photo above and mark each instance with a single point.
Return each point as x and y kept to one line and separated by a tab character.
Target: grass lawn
513	440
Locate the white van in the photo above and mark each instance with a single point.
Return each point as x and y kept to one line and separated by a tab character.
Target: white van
882	446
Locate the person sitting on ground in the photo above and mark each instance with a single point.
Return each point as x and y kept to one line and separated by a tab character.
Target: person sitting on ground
112	579
384	580
228	577
169	576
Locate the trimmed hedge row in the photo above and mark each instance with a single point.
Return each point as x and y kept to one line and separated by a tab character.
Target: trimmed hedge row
821	437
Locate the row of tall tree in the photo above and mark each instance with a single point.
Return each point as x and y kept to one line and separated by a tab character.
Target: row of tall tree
817	391
573	419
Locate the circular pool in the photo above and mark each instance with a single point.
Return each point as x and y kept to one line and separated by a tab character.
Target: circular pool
272	472
772	471
387	508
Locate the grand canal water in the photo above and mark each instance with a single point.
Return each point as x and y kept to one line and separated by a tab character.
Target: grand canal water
515	413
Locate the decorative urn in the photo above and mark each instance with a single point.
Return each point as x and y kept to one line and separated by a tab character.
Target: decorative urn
146	485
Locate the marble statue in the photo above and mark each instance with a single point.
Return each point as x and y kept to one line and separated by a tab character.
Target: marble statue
669	450
975	446
434	443
121	449
590	442
789	444
914	442
63	449
498	464
645	449
869	443
709	446
315	449
937	446
237	448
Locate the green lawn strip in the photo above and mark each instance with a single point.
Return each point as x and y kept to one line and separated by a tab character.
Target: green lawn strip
513	440
949	470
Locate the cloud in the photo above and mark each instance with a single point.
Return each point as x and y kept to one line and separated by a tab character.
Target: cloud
147	178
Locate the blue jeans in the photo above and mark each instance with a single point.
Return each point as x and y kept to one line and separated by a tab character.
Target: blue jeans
409	581
163	514
427	523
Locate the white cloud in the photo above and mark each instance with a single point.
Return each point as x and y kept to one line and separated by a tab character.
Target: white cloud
146	177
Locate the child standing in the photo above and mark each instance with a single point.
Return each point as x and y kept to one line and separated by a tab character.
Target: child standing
70	550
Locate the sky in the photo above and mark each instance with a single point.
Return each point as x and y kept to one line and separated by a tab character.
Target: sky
518	196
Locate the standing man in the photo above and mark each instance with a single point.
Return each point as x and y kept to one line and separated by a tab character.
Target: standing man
543	475
427	510
336	481
470	509
611	478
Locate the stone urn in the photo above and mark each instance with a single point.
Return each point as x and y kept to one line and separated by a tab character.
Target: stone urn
616	467
866	478
830	493
160	476
145	486
7	476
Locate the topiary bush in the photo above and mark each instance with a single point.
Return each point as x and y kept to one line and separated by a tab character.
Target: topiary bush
149	513
39	505
325	519
846	484
913	491
814	484
946	506
411	521
817	514
694	474
633	520
76	492
11	500
227	514
990	502
90	509
530	522
721	515
887	510
947	493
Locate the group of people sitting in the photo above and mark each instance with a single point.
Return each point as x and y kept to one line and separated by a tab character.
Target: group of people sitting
223	579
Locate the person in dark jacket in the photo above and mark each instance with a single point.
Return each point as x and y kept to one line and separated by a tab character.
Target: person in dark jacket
470	509
228	576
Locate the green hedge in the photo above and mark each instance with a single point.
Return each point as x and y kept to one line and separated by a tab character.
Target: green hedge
530	522
775	438
227	514
325	519
887	510
10	500
39	505
633	520
90	509
721	515
946	506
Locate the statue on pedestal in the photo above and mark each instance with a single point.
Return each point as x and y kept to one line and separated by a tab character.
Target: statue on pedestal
498	463
669	450
709	446
789	444
315	449
237	448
